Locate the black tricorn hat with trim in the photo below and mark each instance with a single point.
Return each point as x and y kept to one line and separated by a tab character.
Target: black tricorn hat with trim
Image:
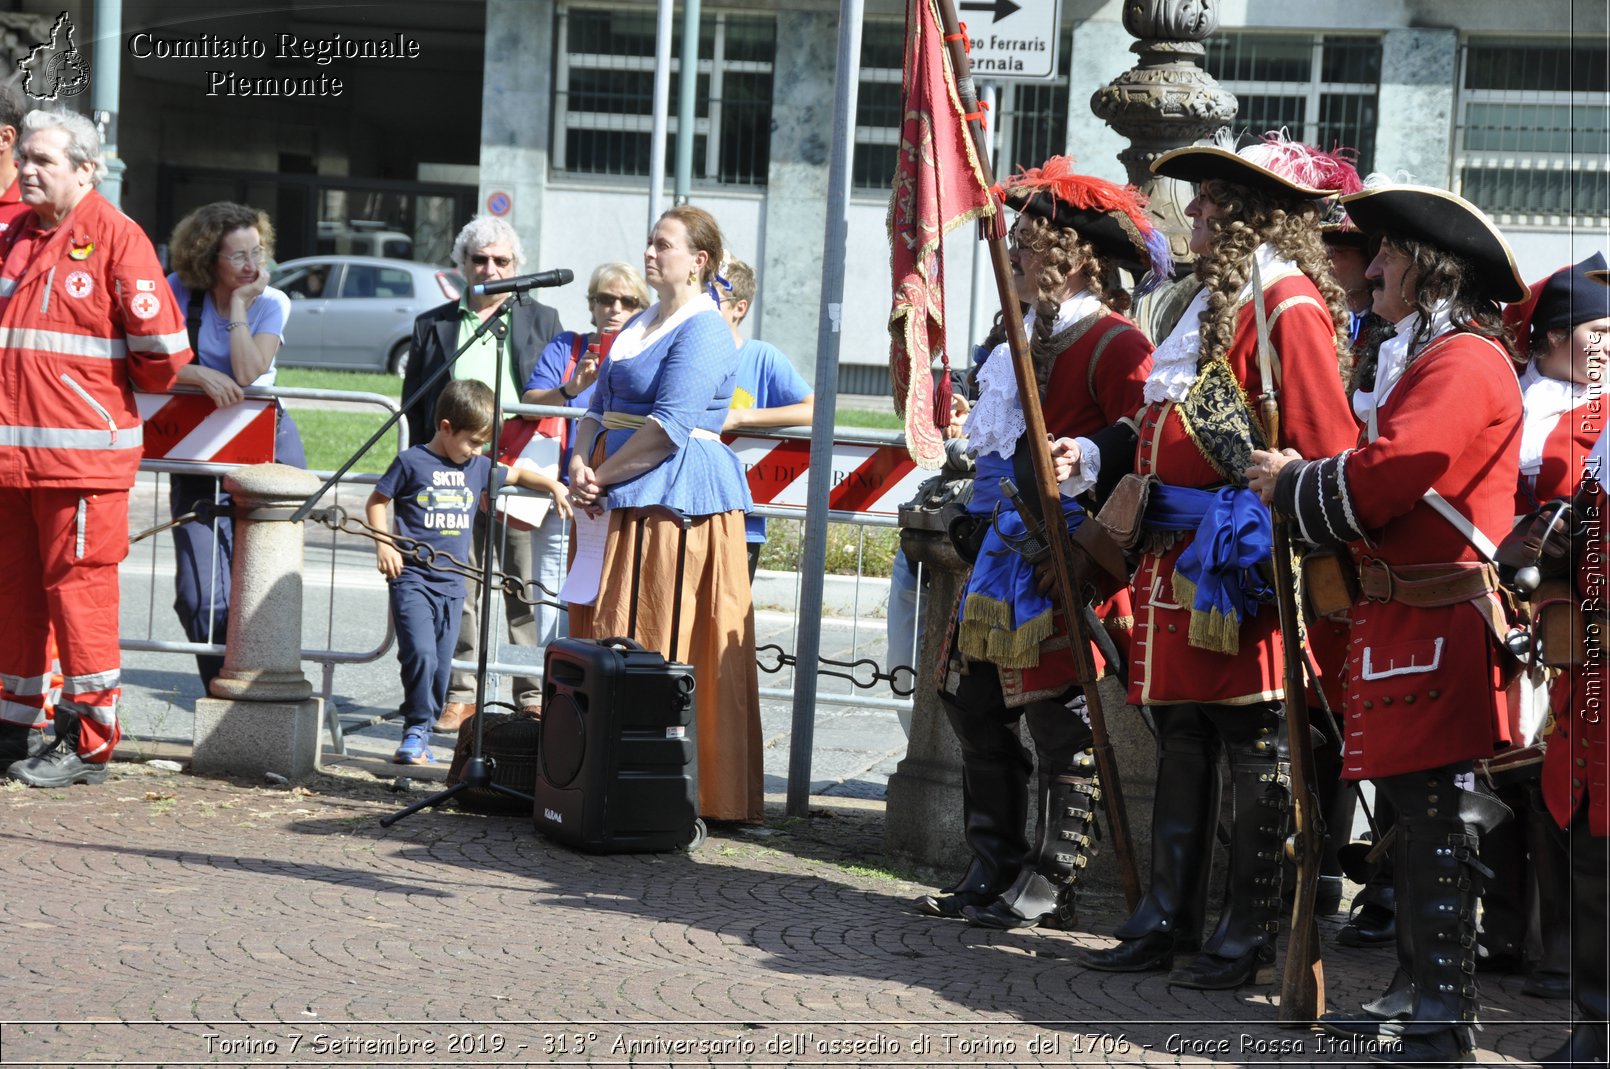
1275	165
1109	216
1448	221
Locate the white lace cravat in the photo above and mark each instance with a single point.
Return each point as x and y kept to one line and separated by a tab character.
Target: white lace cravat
996	422
1394	354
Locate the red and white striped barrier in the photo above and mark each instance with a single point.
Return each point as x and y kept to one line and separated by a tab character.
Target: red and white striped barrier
187	426
876	479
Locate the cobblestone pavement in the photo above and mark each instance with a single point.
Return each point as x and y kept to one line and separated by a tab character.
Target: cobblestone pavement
167	919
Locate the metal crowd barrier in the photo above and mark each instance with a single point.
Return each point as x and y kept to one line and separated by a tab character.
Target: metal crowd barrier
864	680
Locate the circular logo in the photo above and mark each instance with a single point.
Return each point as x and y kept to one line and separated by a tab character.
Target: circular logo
79	284
499	203
144	305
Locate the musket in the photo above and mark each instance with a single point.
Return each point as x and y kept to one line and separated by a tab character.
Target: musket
1056	531
1302	985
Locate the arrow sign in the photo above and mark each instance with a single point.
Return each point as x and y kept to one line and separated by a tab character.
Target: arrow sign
1002	8
1018	42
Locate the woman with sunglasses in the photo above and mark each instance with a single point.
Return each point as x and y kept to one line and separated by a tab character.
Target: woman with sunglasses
564	376
236	322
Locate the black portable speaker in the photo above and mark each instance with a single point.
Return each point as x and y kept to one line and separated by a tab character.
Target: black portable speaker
618	765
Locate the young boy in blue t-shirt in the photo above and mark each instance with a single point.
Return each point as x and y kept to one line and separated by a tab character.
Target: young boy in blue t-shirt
434	490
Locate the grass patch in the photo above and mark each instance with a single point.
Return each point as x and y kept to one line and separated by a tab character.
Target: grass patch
330	437
309	378
865	418
851	548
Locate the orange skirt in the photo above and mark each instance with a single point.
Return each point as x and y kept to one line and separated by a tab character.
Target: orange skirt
716	635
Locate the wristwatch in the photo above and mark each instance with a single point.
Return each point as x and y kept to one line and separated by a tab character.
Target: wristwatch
566	396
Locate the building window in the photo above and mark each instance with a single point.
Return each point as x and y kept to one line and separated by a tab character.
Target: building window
1321	88
1533	130
604	95
1029	122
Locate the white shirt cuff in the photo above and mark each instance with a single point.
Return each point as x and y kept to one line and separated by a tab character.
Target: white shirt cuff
1089	470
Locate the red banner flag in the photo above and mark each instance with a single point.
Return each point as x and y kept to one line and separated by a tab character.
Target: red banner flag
938	185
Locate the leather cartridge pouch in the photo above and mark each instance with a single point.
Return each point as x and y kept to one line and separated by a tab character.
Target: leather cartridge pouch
1125	509
1096	562
1329	581
1559	626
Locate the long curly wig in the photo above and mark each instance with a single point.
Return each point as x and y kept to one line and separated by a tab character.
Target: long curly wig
1060	249
1290	227
1438	275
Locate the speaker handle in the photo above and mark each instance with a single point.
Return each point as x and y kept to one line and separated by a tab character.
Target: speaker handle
620	642
681	568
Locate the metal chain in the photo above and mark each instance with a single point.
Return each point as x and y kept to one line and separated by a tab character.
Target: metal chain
902	689
426	555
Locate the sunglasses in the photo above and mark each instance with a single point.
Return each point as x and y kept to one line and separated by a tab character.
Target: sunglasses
481	259
631	304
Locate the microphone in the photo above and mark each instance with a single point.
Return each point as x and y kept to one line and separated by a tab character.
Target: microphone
559	276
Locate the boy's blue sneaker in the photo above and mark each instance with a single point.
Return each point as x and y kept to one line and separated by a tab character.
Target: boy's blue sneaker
413	751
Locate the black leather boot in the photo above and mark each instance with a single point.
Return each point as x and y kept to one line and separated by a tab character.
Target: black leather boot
1373	920
59	765
1170	914
1589	987
1441	826
1398	998
1551	864
1045	892
18	742
1241	949
995	784
1504	913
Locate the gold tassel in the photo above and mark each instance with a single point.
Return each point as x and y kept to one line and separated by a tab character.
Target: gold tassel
980	614
1020	648
1211	630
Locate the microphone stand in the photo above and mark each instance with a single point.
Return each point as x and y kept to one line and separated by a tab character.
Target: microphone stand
477	771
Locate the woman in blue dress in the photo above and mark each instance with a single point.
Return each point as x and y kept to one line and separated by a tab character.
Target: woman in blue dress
648	451
236	322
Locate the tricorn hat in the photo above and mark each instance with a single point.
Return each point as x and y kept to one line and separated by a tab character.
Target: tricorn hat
1275	165
1109	216
1447	221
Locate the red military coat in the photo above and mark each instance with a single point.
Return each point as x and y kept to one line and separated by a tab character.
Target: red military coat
1575	761
1315	420
1095	381
1424	685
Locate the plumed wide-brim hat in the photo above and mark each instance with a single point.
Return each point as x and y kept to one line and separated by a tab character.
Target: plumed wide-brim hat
1447	221
1109	216
1201	163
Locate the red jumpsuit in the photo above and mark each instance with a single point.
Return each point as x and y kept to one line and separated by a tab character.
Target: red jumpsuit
85	319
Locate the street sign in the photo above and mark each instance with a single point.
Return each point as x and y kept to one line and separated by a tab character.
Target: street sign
1012	40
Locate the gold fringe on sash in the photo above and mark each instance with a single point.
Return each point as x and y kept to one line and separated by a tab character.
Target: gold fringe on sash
986	633
1213	630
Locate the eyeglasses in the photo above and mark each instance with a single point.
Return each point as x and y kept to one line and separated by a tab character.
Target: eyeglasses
241	259
481	259
631	304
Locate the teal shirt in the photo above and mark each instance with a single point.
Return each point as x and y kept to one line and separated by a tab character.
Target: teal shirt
480	362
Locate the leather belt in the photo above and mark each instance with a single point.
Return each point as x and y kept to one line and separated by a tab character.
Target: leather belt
1426	586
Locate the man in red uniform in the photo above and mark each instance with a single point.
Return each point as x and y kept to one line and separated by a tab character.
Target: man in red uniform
1419	502
1207	660
84	319
1009	656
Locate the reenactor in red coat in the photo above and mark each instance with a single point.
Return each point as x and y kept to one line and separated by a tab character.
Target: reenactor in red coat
1419	503
1009	657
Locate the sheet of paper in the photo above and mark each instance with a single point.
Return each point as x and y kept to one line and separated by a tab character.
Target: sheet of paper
541	455
587	569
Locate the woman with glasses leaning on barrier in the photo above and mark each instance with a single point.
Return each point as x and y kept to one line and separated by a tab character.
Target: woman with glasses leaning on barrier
651	442
564	375
236	322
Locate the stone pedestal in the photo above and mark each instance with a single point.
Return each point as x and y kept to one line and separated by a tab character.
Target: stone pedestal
923	811
262	716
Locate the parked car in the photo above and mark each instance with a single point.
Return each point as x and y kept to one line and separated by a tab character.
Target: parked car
357	313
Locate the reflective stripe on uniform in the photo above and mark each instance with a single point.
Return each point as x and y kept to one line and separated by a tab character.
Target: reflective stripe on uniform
72	438
166	344
22	713
94	681
8	286
25	686
62	343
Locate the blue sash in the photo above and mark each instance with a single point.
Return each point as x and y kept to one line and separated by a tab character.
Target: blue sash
1217	574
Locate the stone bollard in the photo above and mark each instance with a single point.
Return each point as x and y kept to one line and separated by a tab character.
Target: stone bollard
923	805
262	716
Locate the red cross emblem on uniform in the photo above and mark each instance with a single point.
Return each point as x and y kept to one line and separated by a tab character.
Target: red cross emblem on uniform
79	284
144	305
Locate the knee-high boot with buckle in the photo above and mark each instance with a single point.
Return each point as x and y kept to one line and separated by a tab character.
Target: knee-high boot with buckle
995	785
1242	948
1045	893
1441	826
1169	917
1590	893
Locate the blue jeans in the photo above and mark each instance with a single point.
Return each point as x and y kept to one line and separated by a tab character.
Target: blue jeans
548	540
902	620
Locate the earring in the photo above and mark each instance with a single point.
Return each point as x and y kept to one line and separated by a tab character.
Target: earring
692	277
